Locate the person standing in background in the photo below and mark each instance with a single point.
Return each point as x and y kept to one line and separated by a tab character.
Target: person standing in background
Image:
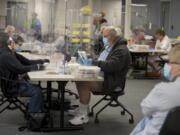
99	21
36	26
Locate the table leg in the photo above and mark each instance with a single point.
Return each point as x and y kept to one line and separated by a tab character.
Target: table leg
62	85
49	94
62	90
146	65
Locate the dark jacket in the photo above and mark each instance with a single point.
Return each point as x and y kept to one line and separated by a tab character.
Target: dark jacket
12	65
116	65
99	45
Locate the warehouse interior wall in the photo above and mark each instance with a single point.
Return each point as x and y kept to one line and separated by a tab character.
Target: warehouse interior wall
52	13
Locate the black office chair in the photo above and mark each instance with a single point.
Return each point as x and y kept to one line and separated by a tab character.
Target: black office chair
161	62
171	123
1	97
11	102
112	98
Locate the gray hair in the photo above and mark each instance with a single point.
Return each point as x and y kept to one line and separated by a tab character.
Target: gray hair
114	30
174	54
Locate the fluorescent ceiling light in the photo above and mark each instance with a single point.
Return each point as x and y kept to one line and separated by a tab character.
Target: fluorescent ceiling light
139	5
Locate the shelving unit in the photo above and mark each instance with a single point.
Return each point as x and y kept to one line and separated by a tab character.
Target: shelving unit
79	25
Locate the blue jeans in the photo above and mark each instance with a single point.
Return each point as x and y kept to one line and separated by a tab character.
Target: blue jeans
30	90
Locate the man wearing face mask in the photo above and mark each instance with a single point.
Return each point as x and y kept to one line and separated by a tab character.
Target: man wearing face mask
13	66
163	97
113	61
102	42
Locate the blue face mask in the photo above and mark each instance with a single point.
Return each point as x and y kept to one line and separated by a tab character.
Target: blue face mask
17	49
105	41
167	72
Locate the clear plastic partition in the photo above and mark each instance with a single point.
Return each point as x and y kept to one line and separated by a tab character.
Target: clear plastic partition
139	15
51	25
79	21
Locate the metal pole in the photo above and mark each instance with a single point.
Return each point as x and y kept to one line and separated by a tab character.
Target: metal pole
65	36
127	30
65	25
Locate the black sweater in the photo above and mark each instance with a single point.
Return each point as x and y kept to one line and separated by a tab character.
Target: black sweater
12	64
116	65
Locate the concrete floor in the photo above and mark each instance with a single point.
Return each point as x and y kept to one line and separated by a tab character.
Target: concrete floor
111	122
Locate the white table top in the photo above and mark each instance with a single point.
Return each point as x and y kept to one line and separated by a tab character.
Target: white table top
50	73
45	76
34	56
149	51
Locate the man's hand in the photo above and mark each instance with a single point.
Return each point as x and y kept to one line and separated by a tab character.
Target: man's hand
24	77
45	61
40	67
67	57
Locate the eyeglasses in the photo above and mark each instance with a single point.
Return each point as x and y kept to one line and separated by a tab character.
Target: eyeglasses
173	63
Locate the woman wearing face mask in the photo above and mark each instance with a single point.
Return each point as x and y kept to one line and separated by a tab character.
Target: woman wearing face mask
163	97
163	44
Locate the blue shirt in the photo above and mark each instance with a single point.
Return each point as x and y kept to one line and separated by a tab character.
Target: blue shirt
104	54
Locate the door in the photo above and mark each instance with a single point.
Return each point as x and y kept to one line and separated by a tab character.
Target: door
165	16
175	19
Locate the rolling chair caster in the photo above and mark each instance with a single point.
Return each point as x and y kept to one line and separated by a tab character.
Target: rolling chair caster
91	114
96	121
131	121
123	112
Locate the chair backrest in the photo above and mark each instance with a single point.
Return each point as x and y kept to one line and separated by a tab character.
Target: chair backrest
5	85
172	122
124	84
122	88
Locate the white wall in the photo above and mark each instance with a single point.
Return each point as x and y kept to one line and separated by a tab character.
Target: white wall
112	8
3	13
154	13
60	13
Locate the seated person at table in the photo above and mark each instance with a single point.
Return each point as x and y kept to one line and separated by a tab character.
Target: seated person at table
102	42
10	30
114	62
162	43
18	40
13	66
163	97
138	36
